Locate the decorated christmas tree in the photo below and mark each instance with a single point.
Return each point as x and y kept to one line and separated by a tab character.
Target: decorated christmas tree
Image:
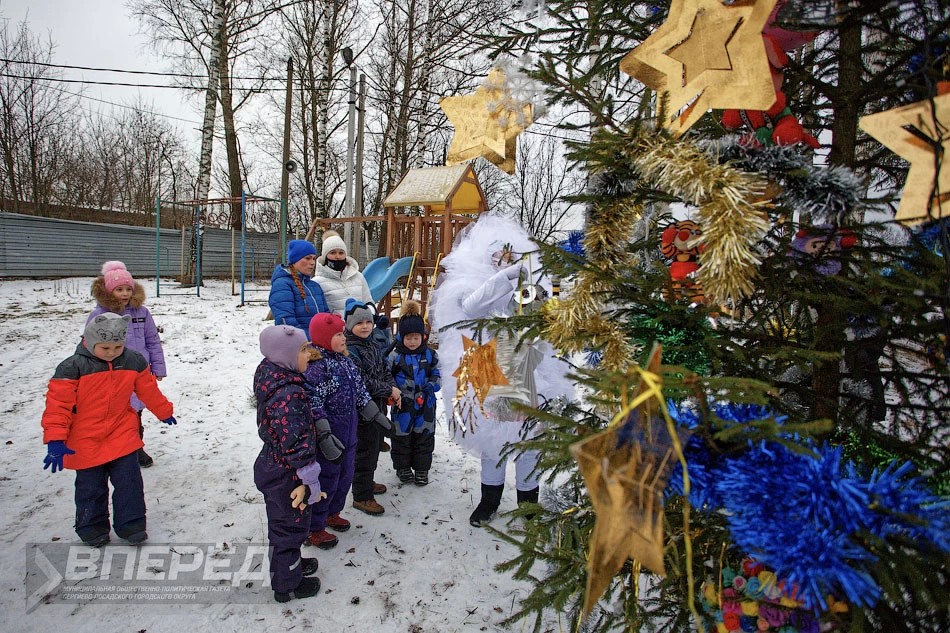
757	312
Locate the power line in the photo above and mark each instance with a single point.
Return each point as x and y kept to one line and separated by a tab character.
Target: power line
129	72
90	82
127	107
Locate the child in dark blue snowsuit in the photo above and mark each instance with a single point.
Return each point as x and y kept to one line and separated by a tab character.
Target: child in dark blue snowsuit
416	370
287	462
371	362
337	394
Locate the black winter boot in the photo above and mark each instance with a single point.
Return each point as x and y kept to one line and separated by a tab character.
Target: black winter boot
491	499
529	496
307	588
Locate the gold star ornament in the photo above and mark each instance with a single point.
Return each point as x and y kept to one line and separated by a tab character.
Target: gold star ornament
918	133
479	369
487	123
706	55
625	469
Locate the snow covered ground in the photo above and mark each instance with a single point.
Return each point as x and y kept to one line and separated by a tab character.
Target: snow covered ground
419	568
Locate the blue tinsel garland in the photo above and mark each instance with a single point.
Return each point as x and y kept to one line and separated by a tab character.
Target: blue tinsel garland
574	243
800	514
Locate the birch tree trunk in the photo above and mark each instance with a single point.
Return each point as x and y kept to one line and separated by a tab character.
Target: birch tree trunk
207	129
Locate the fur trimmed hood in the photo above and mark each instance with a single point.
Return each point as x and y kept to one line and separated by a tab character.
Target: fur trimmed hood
104	298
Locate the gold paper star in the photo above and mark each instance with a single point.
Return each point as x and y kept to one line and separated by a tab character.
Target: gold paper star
708	53
915	132
479	368
625	469
487	123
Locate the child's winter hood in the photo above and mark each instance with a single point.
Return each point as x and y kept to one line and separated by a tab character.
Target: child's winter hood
104	298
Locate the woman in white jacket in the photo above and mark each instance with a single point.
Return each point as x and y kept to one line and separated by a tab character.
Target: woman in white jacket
339	274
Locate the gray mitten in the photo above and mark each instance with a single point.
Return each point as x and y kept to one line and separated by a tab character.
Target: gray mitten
371	413
330	446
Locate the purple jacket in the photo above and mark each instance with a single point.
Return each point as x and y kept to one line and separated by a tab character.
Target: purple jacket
337	393
142	335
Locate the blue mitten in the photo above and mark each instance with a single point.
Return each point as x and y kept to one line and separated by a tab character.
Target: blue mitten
170	420
55	451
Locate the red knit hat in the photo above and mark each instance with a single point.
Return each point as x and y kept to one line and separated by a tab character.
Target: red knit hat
323	326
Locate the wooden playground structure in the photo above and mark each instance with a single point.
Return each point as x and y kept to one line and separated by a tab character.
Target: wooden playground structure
450	198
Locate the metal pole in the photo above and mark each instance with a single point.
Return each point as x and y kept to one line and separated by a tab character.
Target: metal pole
198	254
285	170
232	252
158	246
350	133
243	239
283	232
358	185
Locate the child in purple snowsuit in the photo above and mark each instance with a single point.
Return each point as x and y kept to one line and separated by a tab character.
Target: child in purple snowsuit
287	462
338	395
115	291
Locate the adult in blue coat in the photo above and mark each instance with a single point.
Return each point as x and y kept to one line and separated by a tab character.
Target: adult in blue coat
294	297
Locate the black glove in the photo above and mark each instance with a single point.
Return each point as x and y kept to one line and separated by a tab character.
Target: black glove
371	413
330	446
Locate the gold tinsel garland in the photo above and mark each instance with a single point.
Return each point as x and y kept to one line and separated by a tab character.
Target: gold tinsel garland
731	209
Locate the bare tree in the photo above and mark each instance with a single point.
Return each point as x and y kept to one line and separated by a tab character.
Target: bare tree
315	34
210	39
124	161
426	49
536	196
36	117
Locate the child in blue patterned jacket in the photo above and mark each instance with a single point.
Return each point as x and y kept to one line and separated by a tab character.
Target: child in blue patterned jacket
338	400
416	370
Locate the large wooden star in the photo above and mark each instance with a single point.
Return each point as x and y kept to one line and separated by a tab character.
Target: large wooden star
487	123
625	469
706	55
918	133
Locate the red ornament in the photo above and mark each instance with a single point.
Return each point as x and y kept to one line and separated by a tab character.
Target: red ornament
777	125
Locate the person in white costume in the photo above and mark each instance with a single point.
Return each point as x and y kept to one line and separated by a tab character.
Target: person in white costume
494	271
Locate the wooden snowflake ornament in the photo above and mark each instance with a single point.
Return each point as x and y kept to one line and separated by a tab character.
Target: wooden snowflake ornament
918	133
487	123
706	55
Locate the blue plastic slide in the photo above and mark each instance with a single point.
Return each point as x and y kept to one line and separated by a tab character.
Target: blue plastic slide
380	276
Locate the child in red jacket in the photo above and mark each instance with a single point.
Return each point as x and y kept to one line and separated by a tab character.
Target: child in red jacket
89	426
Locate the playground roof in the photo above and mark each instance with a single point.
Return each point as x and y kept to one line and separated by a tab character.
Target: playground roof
455	187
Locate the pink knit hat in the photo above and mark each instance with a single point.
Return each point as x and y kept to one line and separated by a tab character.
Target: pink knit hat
116	275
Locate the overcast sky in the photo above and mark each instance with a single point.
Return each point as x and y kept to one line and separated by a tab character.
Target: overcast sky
101	34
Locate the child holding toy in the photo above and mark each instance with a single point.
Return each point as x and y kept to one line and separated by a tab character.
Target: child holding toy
286	470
